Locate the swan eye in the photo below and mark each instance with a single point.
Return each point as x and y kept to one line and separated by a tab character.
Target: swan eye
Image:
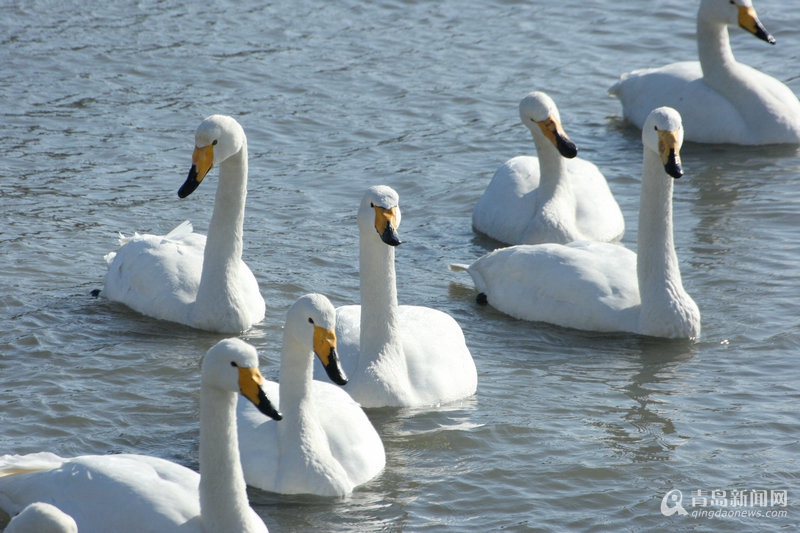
310	320
655	128
214	142
233	364
371	204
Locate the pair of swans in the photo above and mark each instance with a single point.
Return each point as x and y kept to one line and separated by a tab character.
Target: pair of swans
555	197
602	286
186	277
720	99
138	493
397	355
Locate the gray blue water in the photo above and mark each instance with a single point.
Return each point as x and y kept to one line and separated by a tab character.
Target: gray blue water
568	430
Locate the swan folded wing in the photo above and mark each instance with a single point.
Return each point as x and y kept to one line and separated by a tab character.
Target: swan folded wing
511	192
584	285
439	364
157	277
101	490
352	439
597	213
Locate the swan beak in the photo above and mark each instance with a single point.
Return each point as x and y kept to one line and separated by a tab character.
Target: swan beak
748	20
202	161
668	149
555	133
325	350
386	225
250	380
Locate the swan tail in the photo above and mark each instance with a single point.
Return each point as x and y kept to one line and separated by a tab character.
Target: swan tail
458	267
20	464
181	231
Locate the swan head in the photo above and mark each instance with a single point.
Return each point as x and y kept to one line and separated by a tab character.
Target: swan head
663	134
380	212
40	516
540	115
312	321
739	12
217	138
232	365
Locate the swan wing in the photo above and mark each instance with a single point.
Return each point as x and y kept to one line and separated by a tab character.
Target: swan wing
584	285
505	209
597	213
121	492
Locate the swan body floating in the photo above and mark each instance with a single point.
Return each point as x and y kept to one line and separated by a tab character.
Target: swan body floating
326	445
137	493
397	355
40	517
601	286
555	197
720	100
185	277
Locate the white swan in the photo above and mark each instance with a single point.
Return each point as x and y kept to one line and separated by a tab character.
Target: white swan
40	517
556	197
601	286
326	445
720	100
184	277
136	493
397	355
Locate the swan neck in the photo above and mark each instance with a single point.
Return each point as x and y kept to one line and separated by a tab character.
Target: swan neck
295	376
223	249
223	494
379	320
657	262
552	166
714	50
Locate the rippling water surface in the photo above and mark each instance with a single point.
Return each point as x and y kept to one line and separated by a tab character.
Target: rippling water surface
568	430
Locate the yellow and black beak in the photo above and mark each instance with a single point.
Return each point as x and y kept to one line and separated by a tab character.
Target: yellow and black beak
552	129
748	21
202	161
250	380
386	225
670	153
325	350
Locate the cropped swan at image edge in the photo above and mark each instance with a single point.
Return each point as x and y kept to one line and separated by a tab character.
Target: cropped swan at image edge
139	492
326	445
183	276
720	99
555	197
601	286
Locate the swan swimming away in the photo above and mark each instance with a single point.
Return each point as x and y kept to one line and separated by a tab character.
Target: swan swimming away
139	493
720	99
183	276
555	197
40	517
326	445
601	286
397	355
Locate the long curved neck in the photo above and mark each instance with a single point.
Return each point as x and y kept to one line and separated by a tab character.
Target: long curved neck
553	168
223	494
223	249
657	263
379	312
714	51
295	376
